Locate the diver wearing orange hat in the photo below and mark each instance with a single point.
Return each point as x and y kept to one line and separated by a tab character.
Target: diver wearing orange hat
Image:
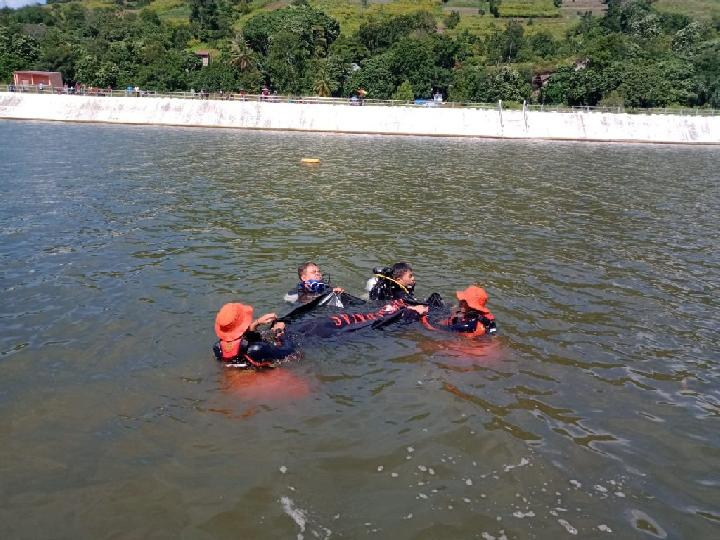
471	318
239	343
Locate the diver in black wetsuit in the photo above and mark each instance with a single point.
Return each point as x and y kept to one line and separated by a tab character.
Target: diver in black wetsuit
239	344
397	283
310	284
394	283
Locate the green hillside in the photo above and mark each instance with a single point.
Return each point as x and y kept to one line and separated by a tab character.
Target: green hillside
350	13
637	53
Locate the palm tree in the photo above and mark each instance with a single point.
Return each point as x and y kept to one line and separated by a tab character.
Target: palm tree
321	82
241	55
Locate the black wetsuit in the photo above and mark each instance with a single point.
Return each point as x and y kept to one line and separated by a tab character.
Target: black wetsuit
386	289
253	352
341	323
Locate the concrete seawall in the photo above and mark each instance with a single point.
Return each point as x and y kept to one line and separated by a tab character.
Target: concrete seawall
452	122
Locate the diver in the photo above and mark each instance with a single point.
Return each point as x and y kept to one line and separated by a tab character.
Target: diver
310	284
313	285
397	283
471	318
239	343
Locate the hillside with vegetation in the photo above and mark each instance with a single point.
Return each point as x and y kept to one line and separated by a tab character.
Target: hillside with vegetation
632	53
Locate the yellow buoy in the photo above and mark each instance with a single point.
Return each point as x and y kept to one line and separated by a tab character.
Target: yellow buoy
310	160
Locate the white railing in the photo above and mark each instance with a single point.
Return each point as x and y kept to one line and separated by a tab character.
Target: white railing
276	98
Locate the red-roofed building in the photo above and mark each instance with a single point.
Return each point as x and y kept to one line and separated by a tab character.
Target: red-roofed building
32	78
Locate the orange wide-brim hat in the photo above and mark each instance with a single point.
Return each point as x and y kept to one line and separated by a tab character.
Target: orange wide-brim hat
232	320
475	296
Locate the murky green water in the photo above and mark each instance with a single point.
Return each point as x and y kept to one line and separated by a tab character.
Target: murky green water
595	413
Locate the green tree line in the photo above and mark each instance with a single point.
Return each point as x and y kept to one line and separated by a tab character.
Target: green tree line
634	55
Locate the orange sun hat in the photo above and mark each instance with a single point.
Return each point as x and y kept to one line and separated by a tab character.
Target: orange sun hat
232	320
475	296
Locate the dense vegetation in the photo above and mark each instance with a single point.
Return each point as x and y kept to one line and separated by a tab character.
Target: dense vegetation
633	55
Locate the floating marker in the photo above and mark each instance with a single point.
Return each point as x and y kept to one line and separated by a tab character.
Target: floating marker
310	160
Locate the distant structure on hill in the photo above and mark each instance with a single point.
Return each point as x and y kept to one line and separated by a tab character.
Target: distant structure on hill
204	56
33	78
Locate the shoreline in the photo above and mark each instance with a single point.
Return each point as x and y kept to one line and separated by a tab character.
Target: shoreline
366	120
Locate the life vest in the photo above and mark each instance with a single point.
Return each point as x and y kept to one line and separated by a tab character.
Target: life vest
232	355
229	349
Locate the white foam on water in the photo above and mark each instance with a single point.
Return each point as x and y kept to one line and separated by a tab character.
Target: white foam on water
296	514
521	515
522	463
569	528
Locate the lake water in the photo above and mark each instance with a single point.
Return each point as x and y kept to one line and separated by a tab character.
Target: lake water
594	413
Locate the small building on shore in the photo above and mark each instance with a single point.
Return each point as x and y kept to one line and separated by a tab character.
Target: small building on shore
33	78
204	57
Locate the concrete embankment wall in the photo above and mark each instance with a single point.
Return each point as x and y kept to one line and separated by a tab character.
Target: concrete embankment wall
439	121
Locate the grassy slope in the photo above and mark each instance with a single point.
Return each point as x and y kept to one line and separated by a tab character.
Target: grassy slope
350	13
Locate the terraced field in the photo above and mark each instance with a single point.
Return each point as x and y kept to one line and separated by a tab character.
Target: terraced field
351	13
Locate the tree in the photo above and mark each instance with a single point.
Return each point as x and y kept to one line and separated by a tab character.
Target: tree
467	83
404	92
688	37
494	7
321	80
575	87
452	20
507	84
17	51
543	45
204	20
504	45
706	65
313	28
380	34
241	55
286	62
375	77
220	75
413	59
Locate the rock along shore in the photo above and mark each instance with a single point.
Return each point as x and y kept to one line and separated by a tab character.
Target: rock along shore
368	119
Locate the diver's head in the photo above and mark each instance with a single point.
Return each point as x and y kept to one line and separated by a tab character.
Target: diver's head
309	271
473	298
403	273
